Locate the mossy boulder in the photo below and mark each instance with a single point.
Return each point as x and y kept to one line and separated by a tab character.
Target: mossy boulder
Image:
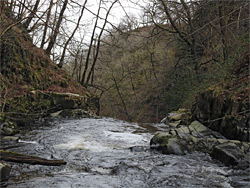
72	113
197	137
38	104
8	128
175	118
168	144
67	101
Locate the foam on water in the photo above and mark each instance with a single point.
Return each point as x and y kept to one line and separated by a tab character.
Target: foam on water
98	155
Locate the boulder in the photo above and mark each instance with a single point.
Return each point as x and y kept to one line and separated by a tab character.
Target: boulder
72	113
9	138
169	143
197	127
223	113
75	113
175	116
174	146
183	130
59	101
231	155
8	128
4	172
68	101
175	123
42	104
6	131
197	137
181	116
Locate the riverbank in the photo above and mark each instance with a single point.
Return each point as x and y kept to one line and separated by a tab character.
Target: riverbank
184	137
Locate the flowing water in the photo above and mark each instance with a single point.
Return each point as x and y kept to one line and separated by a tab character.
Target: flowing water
109	153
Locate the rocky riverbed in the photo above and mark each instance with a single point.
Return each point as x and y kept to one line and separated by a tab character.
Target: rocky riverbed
181	139
105	152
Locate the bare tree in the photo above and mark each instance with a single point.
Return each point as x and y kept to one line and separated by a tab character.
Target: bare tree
72	35
98	44
90	45
32	14
46	24
56	31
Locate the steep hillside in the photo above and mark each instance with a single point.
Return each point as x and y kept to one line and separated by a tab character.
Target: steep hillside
133	69
147	72
225	107
26	68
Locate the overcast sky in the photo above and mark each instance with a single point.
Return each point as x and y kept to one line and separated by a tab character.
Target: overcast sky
122	8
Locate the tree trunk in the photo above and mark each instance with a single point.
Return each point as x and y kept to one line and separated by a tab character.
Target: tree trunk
72	35
120	95
46	24
222	30
90	46
98	43
56	31
32	160
31	15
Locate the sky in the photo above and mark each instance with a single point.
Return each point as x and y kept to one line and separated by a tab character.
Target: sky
120	9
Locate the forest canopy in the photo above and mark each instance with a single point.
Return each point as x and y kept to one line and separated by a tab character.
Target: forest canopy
149	63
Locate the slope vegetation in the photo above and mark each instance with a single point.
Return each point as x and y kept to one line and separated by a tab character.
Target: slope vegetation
26	69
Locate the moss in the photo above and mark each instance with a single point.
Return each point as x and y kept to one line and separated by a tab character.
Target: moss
164	141
25	68
36	76
64	83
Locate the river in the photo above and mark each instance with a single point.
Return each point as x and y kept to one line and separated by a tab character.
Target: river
109	153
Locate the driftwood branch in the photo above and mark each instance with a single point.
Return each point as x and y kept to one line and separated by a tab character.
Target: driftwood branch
32	160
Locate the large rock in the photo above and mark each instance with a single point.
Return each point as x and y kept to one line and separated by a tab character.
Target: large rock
168	143
222	112
175	116
9	139
8	128
61	101
4	172
42	104
176	141
197	137
231	155
181	116
197	127
72	113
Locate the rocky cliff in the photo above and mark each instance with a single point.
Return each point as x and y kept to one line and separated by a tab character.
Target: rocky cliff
223	126
225	107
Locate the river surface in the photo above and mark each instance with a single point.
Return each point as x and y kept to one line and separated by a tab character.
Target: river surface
108	153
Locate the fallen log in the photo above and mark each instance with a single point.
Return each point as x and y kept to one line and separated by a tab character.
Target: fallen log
32	160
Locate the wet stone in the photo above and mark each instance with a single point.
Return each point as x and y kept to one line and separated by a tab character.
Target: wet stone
4	172
9	138
113	154
231	155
